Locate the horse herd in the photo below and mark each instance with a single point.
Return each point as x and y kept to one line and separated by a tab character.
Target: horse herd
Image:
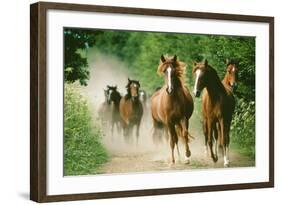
171	106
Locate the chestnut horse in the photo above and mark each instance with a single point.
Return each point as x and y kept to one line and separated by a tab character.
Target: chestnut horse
172	105
217	107
131	109
230	77
114	97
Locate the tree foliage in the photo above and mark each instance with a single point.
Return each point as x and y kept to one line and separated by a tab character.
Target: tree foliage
75	65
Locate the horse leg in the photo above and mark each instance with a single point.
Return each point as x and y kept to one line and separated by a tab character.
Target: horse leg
210	139
216	139
138	132
205	131
186	141
224	143
219	145
179	131
173	140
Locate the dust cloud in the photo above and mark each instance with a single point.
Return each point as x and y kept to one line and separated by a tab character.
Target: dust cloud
109	70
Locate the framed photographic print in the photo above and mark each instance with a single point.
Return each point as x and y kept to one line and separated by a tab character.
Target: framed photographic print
133	102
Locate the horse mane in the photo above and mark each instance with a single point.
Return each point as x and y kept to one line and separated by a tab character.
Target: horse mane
118	95
179	66
214	73
129	95
217	82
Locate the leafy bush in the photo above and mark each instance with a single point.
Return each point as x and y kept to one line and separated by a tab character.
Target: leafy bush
243	127
83	151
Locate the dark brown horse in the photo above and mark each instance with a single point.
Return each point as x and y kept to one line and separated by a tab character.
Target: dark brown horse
230	77
131	109
172	105
217	107
114	97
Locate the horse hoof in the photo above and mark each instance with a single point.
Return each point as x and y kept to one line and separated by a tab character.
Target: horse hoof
226	163
187	160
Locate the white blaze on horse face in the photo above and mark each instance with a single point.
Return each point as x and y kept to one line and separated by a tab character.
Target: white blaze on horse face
233	69
197	75
169	71
134	92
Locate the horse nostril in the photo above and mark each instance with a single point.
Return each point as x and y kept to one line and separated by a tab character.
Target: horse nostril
134	98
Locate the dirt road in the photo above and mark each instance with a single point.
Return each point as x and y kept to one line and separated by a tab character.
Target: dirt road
144	157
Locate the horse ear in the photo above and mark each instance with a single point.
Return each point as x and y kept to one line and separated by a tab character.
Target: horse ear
129	80
206	63
108	86
163	59
175	58
194	63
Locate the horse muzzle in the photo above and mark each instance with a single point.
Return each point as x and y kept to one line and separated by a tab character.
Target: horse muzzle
233	86
134	98
197	93
169	90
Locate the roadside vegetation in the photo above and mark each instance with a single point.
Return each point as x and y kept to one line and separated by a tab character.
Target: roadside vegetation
83	151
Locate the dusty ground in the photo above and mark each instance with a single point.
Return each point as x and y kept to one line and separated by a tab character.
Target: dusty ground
144	156
147	157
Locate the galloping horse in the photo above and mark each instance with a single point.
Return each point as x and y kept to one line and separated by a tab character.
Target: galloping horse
230	77
115	97
172	105
104	109
217	107
131	109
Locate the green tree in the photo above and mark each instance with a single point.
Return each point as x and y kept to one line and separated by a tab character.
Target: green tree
75	65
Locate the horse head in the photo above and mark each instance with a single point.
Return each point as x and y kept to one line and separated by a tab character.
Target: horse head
113	94
199	72
231	75
173	71
133	89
